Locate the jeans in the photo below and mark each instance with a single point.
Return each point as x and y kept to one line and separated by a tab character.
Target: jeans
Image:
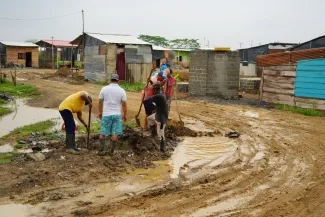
68	119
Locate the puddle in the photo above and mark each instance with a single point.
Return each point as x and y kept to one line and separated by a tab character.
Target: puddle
16	210
25	115
250	114
223	206
193	152
6	148
196	125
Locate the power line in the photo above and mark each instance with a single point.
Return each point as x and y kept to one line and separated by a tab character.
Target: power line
46	18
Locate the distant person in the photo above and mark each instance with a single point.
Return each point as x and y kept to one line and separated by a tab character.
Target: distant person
170	87
74	104
164	65
111	97
158	120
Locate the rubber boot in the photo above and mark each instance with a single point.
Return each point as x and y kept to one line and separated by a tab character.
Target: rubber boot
113	146
71	143
162	145
102	146
153	130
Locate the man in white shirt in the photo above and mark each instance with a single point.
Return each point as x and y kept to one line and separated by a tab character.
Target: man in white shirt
111	97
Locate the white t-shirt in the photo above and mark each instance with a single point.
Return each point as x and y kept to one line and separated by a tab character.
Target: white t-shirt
112	95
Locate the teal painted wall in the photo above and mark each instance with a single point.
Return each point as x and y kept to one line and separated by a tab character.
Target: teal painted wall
310	79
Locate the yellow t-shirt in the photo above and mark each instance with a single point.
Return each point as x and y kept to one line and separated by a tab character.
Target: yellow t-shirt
74	102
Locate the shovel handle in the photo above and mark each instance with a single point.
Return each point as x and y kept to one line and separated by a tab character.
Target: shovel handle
88	130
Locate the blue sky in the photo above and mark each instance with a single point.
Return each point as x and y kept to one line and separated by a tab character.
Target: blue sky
221	22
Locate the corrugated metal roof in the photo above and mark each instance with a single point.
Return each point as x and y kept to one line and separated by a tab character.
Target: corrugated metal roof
59	43
181	49
118	39
154	47
18	44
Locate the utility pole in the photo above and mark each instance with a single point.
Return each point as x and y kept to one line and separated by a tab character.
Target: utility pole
52	55
83	21
208	44
251	43
240	44
204	42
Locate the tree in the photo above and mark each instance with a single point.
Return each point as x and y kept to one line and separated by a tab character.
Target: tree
185	43
32	41
155	40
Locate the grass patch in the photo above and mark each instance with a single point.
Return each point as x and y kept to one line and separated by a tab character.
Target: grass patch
136	87
5	158
3	102
131	123
303	111
4	111
20	90
21	132
18	146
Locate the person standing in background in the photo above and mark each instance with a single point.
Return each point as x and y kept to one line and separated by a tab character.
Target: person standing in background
170	88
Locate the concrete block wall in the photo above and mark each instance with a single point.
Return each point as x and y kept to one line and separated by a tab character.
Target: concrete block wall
249	84
214	73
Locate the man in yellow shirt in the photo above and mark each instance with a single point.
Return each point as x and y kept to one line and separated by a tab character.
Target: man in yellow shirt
74	104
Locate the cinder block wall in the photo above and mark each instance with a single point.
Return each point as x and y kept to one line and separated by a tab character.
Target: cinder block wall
214	73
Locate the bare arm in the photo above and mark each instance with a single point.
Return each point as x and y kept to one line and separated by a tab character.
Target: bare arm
124	108
79	114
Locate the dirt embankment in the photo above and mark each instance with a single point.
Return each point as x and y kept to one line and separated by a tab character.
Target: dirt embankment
25	180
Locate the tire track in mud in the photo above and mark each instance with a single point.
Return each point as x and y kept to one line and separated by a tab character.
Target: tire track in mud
276	170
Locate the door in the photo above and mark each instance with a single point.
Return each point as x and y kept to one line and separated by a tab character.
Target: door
28	59
120	65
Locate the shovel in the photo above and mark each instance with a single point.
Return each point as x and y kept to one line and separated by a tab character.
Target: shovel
88	130
179	115
137	119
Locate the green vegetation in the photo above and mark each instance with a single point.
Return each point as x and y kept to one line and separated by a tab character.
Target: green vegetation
4	111
131	123
21	132
5	158
177	77
136	87
3	102
20	90
18	146
303	111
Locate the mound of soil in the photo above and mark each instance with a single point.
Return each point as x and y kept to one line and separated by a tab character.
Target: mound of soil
63	71
134	150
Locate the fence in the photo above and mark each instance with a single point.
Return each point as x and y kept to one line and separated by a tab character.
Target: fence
289	57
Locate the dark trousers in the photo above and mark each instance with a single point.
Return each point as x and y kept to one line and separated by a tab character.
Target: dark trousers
68	119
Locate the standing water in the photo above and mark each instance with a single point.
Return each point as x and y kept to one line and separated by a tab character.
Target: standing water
25	115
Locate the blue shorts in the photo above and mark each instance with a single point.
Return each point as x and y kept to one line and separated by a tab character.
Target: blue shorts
111	125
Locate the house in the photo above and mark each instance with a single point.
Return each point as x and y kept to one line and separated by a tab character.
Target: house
248	56
104	54
18	53
159	54
62	51
182	57
318	42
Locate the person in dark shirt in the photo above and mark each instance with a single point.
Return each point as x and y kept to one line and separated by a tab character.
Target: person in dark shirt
157	121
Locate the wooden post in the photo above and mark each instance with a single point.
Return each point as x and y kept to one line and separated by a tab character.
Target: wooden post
52	55
261	85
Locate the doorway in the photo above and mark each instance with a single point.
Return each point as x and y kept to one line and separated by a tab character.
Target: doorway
28	59
120	65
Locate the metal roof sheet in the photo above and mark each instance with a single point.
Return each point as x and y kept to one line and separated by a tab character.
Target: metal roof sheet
58	43
118	39
18	44
154	47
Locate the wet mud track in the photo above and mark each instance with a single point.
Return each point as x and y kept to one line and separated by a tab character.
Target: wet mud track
276	167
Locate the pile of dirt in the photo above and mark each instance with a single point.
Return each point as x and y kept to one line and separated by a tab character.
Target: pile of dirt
63	71
135	149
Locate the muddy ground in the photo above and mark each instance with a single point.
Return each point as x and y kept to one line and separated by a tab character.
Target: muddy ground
276	169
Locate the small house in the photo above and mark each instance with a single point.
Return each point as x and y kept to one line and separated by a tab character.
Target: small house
182	57
22	54
318	42
248	56
62	51
160	54
105	54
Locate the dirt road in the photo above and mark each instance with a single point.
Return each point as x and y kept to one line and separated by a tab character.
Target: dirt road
276	169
